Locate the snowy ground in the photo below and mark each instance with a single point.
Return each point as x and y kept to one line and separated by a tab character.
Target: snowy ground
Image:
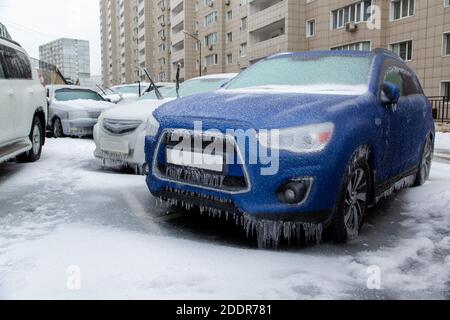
64	215
443	142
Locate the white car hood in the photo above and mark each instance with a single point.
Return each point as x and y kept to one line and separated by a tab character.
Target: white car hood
84	105
138	110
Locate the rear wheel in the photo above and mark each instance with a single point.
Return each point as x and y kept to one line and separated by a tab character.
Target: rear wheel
36	138
425	163
353	201
57	129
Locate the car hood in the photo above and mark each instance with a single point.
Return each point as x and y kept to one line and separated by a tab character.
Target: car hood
84	105
138	110
255	110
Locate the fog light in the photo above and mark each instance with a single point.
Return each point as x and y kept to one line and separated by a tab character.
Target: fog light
295	192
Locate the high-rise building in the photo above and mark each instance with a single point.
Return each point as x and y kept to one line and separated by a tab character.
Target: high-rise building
214	36
71	56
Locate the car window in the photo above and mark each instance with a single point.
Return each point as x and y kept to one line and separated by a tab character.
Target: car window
77	94
395	77
196	86
16	64
129	89
410	85
2	73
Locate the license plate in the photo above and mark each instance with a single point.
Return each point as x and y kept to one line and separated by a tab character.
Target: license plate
195	160
115	146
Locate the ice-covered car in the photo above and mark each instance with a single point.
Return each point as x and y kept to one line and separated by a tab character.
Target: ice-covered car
120	133
325	136
132	92
74	110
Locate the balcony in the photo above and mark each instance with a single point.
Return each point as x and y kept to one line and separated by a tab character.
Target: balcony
261	5
259	19
271	31
268	47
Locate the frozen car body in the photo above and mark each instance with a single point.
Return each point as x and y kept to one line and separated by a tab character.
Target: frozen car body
120	132
77	117
392	140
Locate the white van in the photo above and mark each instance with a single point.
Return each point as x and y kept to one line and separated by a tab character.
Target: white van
23	105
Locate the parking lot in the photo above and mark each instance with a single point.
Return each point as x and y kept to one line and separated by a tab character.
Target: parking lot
66	216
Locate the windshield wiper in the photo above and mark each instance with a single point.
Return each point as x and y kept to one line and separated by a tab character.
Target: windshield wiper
157	92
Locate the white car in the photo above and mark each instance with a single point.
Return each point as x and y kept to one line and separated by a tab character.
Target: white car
132	92
23	106
120	132
74	110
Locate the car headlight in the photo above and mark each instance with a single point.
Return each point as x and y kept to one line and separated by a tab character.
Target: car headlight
305	139
73	115
152	126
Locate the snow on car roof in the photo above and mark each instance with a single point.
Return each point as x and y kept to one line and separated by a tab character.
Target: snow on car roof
217	76
67	86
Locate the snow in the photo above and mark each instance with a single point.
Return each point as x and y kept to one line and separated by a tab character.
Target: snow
443	141
66	213
137	110
333	89
217	76
88	105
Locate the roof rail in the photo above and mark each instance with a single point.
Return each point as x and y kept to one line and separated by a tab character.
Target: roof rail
10	40
386	52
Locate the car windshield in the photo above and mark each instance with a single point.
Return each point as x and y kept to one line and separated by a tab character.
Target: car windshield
77	94
152	95
129	89
325	74
196	86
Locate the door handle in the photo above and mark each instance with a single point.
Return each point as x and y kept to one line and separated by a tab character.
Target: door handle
10	92
31	91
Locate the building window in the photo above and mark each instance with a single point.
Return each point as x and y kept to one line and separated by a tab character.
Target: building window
357	46
403	49
311	28
162	76
211	18
357	12
446	3
243	49
402	9
229	58
229	15
212	59
208	2
243	2
445	89
229	37
447	43
211	39
162	61
244	23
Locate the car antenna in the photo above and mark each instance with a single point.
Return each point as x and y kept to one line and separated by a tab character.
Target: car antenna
178	80
158	94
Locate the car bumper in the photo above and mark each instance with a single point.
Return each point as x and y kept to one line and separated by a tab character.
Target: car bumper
113	150
78	127
262	199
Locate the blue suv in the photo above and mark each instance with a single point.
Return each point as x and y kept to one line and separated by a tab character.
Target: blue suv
296	144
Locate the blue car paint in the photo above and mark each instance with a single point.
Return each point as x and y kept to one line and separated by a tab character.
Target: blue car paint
395	137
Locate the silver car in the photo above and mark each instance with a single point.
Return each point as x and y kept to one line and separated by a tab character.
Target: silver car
74	110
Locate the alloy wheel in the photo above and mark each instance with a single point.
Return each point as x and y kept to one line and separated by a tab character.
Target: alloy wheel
355	202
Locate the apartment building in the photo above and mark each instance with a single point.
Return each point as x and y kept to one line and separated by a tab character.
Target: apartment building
212	36
119	41
4	32
71	56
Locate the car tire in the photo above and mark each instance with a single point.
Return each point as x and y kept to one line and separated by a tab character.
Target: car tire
36	138
425	163
57	129
354	197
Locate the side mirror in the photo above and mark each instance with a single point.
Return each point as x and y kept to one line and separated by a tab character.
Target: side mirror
108	100
390	93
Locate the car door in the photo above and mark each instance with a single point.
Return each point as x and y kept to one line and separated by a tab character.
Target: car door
7	103
395	128
21	81
414	119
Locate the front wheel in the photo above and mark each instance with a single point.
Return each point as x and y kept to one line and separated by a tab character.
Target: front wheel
36	138
425	163
353	200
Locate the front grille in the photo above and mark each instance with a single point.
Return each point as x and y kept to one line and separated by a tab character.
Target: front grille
120	126
94	114
233	179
